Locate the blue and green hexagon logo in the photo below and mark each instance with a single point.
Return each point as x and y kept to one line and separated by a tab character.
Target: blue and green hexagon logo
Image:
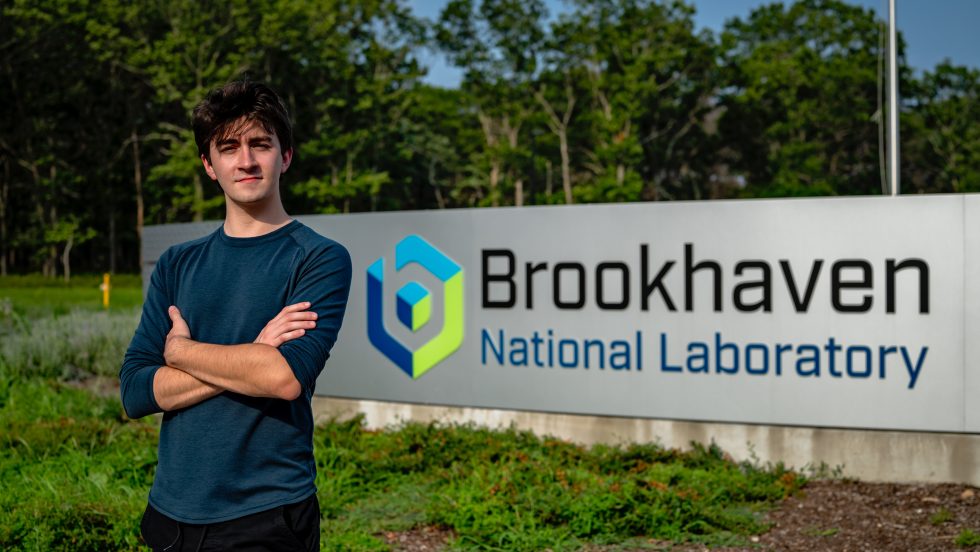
414	307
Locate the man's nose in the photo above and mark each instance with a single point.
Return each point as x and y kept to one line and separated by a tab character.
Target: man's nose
245	157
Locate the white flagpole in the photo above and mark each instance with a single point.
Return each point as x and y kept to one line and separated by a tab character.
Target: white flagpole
894	170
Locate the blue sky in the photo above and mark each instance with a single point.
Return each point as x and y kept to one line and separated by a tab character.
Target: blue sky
933	29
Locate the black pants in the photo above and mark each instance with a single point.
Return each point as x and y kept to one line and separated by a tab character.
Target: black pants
290	527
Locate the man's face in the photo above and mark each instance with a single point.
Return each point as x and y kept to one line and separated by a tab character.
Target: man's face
247	164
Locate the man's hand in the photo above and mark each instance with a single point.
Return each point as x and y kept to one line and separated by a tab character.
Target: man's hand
291	322
179	334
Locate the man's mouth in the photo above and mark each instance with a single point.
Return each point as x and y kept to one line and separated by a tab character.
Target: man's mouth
248	179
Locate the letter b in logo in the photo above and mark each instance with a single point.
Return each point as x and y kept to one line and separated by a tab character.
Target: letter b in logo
414	305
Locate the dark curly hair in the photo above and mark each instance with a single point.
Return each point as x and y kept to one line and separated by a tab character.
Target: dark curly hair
226	110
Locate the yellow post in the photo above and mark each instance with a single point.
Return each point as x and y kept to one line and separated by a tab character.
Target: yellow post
105	290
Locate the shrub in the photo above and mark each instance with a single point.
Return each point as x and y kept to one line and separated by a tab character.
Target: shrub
70	347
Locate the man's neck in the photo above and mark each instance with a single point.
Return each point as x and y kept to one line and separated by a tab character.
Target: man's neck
253	221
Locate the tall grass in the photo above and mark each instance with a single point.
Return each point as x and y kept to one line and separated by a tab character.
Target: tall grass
75	472
76	345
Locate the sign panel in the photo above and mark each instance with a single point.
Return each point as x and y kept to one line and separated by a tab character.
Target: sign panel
833	312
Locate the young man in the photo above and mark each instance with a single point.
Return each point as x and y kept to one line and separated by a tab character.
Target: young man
236	327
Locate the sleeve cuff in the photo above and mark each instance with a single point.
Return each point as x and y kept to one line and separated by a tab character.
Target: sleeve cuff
151	397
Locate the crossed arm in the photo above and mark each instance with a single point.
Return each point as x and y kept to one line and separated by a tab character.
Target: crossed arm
197	371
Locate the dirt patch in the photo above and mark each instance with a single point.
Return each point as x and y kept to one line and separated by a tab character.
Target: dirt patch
829	515
422	539
102	386
842	515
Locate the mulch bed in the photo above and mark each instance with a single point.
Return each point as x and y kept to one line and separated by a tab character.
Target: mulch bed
847	515
830	515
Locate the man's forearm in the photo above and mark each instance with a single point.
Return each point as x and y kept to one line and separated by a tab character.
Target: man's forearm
253	369
174	389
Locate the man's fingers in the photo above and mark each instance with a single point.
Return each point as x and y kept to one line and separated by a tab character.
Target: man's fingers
296	325
294	316
286	327
290	320
289	336
295	307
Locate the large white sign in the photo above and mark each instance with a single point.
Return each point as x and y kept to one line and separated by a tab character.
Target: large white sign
841	312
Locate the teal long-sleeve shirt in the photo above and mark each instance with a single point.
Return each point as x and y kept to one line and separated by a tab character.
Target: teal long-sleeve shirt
233	455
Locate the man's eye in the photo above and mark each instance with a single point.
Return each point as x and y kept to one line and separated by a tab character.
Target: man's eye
262	146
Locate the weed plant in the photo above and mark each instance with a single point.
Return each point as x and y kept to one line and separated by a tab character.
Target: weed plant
941	516
967	538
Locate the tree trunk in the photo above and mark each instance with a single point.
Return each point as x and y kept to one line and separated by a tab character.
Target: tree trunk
349	181
138	182
39	215
48	267
490	135
52	260
42	223
4	194
65	263
513	134
440	201
494	179
547	178
566	174
112	238
559	127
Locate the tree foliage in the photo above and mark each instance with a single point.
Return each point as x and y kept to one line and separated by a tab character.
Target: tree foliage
607	101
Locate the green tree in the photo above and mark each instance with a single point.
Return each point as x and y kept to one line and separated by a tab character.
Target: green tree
941	131
615	100
650	83
802	105
497	43
352	79
50	149
437	143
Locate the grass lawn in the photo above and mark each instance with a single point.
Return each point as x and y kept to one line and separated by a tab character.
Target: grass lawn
76	471
35	296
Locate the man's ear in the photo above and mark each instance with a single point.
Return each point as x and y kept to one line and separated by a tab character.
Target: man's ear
287	158
208	168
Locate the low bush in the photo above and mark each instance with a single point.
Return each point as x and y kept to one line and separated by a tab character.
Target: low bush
512	490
